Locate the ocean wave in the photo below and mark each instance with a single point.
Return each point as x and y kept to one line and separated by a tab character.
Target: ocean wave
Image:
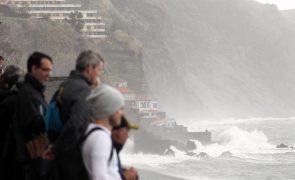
232	142
251	146
194	125
235	147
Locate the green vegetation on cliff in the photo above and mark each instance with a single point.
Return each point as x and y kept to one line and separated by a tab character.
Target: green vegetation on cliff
20	37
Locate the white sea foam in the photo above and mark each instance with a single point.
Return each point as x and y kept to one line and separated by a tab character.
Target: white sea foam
240	143
246	147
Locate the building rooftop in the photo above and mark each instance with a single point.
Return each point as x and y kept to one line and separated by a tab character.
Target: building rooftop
37	0
53	5
124	90
62	11
142	98
3	2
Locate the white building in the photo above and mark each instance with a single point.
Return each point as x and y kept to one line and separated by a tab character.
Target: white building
148	109
129	95
29	2
144	104
58	10
3	2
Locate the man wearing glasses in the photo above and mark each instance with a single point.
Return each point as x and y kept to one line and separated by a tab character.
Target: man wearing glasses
29	122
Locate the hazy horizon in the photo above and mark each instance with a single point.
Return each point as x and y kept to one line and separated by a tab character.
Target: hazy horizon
281	4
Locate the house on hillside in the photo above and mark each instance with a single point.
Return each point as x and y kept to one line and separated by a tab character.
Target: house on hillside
59	11
146	109
3	2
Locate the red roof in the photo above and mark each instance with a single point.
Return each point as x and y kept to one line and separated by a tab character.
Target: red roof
142	98
150	110
124	90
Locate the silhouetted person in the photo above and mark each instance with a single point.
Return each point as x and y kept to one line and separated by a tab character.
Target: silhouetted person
9	84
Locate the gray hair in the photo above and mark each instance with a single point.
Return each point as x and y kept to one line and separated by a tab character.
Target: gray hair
88	58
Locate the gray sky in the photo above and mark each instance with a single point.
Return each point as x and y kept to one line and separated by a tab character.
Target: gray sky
282	4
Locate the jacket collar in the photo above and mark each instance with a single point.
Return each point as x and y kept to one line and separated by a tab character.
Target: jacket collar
77	75
35	83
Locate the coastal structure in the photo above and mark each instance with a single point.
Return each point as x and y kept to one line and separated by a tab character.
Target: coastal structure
147	109
159	130
59	11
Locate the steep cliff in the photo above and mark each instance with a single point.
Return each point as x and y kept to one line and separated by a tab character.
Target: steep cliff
208	59
20	37
202	59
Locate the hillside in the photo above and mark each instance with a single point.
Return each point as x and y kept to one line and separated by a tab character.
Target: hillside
208	59
23	36
20	37
202	59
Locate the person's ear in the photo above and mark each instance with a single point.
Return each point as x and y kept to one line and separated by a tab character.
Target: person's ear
87	69
34	68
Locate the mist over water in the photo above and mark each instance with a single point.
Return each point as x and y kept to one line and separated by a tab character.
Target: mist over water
215	59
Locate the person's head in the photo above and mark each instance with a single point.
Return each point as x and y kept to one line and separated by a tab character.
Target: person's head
11	76
106	104
39	65
2	60
90	64
120	133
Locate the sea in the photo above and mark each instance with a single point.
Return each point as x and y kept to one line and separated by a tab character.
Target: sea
243	149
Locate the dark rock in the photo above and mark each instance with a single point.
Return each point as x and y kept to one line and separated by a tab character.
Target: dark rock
226	154
203	155
282	146
191	154
169	152
190	145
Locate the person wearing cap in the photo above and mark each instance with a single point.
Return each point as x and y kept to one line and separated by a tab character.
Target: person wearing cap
106	106
120	135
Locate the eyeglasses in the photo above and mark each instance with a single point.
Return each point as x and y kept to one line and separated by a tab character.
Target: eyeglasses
46	70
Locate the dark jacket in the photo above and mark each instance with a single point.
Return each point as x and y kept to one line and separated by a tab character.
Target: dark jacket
7	143
73	111
118	148
7	106
74	114
29	122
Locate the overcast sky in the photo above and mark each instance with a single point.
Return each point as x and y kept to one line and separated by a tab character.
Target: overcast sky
282	4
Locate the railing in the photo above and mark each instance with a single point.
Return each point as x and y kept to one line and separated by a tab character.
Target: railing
58	78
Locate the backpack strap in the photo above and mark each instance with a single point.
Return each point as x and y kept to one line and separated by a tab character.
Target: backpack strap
96	129
112	152
57	94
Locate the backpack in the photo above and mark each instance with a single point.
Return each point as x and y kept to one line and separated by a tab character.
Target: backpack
73	166
53	122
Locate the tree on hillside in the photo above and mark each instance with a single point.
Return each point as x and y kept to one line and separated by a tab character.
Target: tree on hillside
75	20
